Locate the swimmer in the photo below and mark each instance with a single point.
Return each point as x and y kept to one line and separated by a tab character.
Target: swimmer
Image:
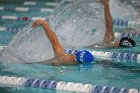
109	38
61	57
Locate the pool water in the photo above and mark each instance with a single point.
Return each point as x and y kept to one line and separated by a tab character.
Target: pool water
110	73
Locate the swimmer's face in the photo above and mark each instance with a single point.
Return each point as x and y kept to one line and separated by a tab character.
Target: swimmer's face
69	58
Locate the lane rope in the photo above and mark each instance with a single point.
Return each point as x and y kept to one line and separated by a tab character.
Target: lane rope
64	86
134	34
31	3
25	9
117	23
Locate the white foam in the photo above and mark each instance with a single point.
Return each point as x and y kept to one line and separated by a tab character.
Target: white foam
76	24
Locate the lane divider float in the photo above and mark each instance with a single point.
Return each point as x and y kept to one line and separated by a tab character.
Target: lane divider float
25	9
64	86
20	18
14	30
117	23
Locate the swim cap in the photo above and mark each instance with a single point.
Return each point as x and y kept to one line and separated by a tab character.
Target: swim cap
84	56
127	42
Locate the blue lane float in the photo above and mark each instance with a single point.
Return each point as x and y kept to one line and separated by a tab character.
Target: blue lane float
134	34
117	56
117	23
126	23
20	18
14	30
25	9
31	3
131	35
64	86
40	3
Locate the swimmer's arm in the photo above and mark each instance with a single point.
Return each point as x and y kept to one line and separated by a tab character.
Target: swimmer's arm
109	35
52	62
52	37
57	47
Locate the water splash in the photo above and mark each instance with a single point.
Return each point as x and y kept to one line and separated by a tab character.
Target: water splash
81	23
123	10
76	24
29	45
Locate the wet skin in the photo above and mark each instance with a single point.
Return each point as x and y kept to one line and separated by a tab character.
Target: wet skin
61	57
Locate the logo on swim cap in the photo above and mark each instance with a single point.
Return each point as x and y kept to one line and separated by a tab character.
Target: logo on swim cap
84	56
127	42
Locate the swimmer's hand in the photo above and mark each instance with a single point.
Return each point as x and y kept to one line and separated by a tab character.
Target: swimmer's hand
38	22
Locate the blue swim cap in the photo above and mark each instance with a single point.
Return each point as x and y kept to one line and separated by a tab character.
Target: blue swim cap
84	56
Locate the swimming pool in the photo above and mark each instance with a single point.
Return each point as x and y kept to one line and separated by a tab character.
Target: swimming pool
121	74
